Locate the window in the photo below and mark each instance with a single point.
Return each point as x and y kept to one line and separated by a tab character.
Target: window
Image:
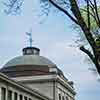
20	97
67	98
9	95
30	99
3	93
25	98
15	96
59	96
63	98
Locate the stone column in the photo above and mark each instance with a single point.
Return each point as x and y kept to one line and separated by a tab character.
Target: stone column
6	91
12	95
18	96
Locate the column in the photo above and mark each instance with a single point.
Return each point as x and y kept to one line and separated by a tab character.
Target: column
18	96
6	93
12	95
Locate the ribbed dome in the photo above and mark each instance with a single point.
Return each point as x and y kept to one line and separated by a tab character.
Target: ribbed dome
29	64
29	60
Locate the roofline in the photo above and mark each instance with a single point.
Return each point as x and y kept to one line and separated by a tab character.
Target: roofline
55	77
31	48
65	84
31	91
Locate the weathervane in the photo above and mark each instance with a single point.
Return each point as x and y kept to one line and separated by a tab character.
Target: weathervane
29	34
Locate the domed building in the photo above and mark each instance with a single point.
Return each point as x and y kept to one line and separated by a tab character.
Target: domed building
39	74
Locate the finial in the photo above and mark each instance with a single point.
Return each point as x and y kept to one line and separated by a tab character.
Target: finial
30	37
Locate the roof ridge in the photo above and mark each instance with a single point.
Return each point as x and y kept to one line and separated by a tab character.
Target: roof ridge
25	88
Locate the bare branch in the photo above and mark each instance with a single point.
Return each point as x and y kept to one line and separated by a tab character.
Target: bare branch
64	11
97	15
82	48
88	34
81	9
88	15
13	6
94	14
91	4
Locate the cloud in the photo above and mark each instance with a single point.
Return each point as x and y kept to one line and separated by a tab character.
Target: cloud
53	38
70	60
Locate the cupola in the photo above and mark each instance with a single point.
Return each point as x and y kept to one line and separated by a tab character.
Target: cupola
31	51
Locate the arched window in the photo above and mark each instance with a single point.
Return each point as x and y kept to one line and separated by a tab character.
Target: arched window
30	99
59	96
67	98
15	96
20	97
63	98
3	93
25	98
9	95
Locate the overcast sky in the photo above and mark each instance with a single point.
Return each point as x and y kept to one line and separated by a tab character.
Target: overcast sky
53	37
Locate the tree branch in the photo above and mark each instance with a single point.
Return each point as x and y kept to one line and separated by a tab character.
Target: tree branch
87	33
64	11
97	15
93	58
94	14
88	15
91	4
82	48
86	12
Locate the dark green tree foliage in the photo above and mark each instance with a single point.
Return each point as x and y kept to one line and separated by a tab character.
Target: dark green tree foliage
84	13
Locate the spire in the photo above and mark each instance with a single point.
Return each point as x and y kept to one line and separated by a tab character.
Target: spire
29	34
30	50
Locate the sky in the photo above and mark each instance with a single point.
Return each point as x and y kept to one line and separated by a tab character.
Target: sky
53	34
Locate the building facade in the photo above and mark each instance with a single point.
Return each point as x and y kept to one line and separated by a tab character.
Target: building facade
40	77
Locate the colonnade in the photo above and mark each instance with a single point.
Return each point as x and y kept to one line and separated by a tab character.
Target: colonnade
6	94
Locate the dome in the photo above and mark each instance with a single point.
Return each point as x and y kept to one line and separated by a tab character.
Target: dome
30	57
29	64
29	60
